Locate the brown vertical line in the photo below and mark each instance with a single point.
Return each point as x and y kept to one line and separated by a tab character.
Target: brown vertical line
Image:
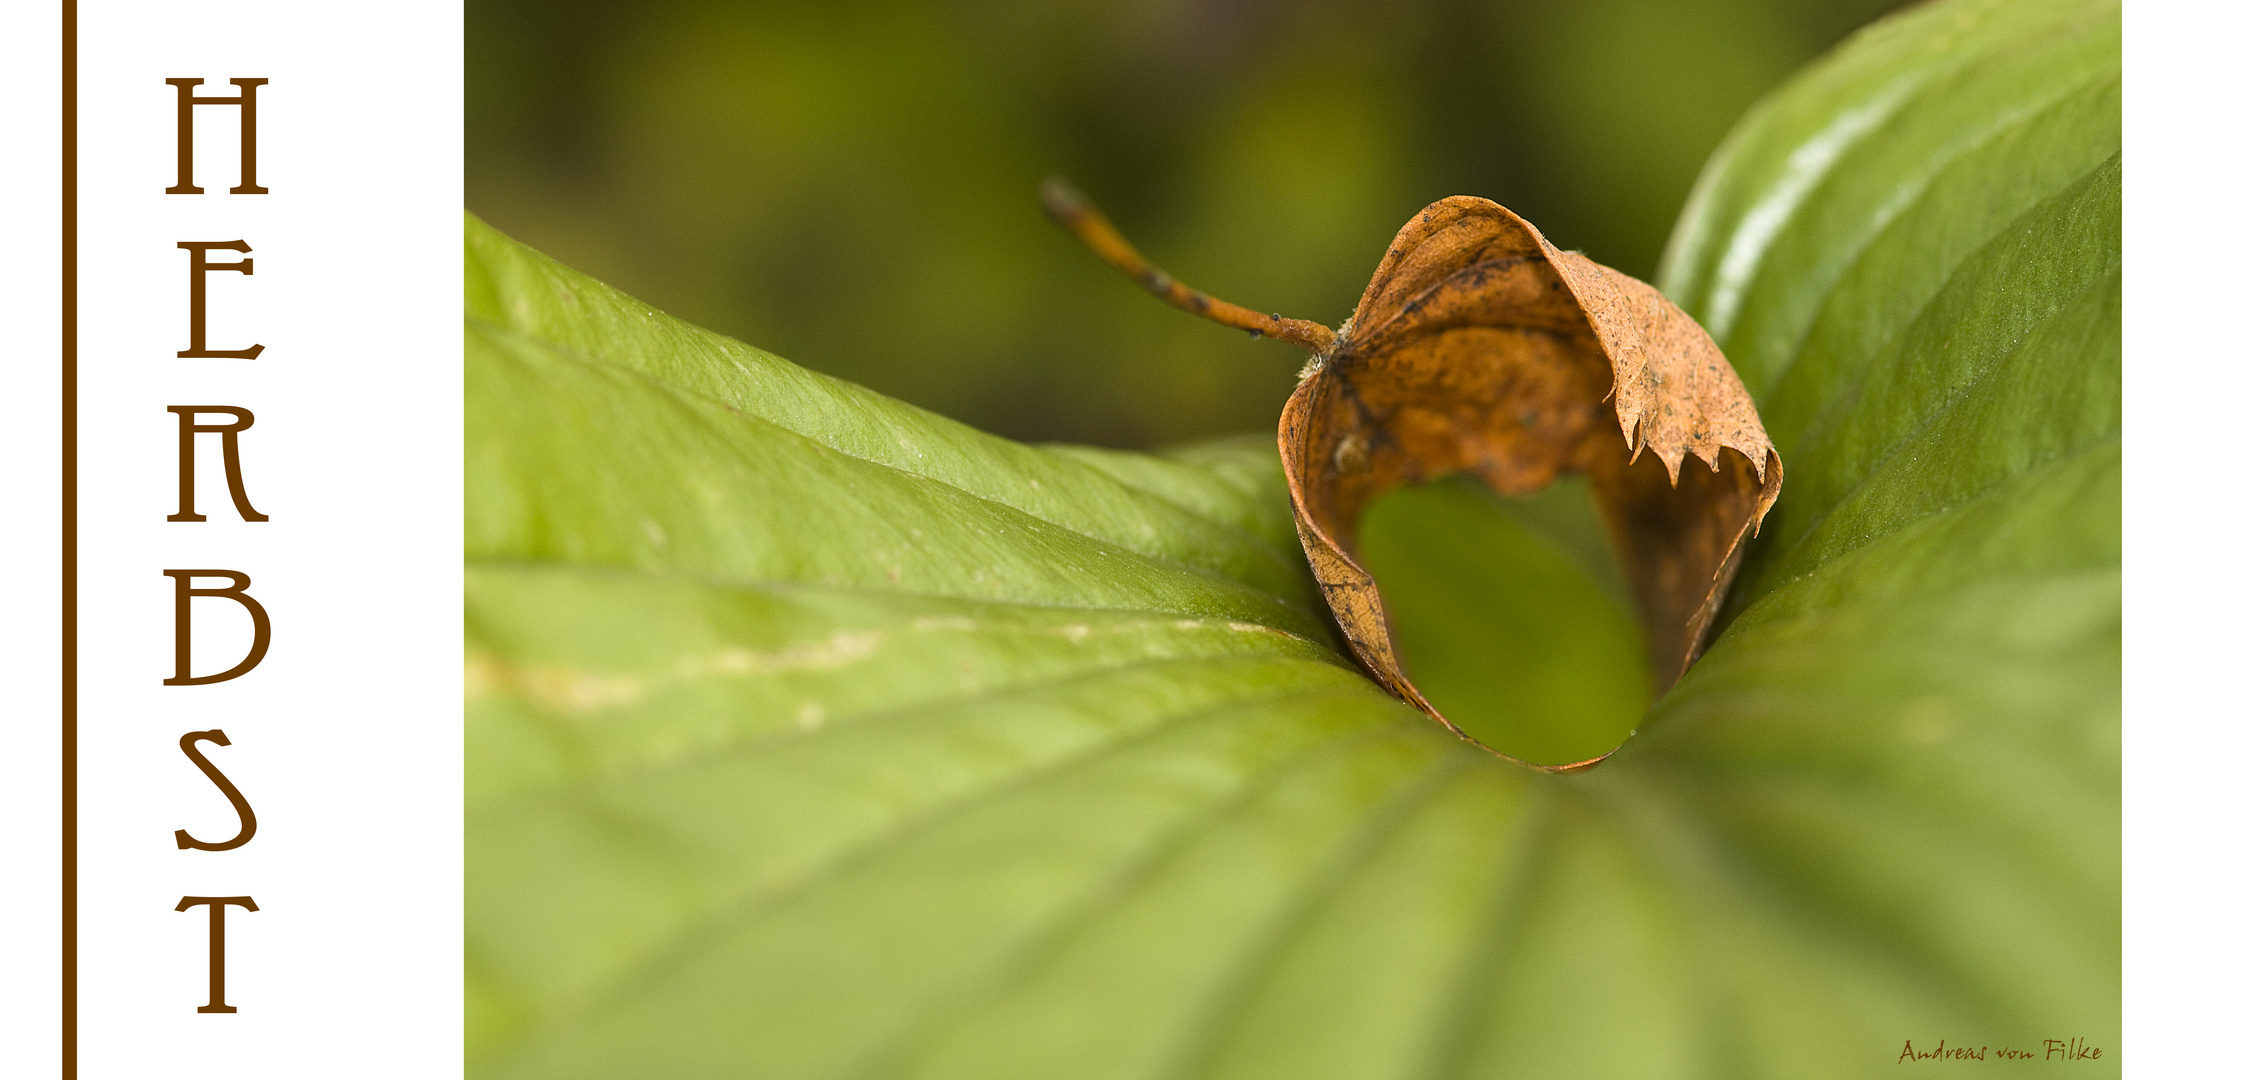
70	541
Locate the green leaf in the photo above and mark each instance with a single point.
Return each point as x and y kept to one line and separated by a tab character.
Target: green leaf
1511	615
812	735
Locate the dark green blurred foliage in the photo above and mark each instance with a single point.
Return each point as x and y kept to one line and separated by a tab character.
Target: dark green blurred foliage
850	183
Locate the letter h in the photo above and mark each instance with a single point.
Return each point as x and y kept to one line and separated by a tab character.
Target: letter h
248	102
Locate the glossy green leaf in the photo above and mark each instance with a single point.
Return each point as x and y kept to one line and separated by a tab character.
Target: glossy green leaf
812	735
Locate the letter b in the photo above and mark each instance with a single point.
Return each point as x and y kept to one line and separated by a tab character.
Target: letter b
184	590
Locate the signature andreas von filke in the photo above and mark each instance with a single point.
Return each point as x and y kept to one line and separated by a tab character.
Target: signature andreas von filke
2073	1049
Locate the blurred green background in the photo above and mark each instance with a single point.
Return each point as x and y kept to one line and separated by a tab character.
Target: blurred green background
850	183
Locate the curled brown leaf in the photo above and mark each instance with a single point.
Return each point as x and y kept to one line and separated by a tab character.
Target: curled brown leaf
1479	347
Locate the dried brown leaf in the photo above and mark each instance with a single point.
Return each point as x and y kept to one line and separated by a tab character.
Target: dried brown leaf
1479	347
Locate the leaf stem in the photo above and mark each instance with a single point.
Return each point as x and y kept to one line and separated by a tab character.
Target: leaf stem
1071	210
